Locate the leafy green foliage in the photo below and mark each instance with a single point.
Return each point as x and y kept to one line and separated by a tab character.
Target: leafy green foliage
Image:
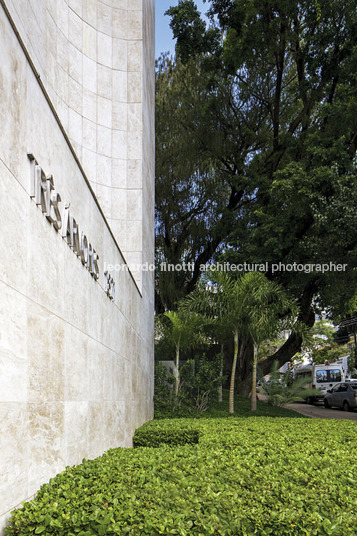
247	305
191	194
265	118
319	335
180	331
190	31
149	437
220	410
320	344
351	362
163	395
200	380
330	352
282	390
271	476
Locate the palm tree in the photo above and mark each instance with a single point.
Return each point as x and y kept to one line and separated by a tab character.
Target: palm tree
247	305
269	310
221	334
222	298
182	331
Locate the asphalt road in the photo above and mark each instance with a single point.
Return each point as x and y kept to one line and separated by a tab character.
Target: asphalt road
318	411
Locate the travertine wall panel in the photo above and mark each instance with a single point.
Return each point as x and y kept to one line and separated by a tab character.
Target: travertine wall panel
90	56
76	368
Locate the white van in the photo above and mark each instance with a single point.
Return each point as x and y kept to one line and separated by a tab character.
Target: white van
321	378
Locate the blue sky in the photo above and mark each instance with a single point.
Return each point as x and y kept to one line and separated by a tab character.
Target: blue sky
164	41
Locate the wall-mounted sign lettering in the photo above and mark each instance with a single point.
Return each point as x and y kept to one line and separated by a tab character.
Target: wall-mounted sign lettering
109	286
42	190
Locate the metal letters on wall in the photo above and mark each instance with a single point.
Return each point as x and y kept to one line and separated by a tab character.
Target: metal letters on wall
42	190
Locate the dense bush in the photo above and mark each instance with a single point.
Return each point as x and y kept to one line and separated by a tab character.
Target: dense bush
163	395
198	388
147	436
199	383
263	476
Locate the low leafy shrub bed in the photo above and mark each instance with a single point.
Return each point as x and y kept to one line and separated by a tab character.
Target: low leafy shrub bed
262	476
173	435
217	409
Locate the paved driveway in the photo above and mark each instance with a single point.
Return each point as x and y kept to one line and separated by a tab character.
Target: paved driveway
318	411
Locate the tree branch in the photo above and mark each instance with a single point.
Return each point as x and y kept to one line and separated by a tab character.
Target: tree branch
293	344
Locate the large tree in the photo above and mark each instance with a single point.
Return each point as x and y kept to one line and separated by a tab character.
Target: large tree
268	118
194	200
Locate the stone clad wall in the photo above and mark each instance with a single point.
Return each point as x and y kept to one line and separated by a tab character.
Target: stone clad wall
76	367
89	54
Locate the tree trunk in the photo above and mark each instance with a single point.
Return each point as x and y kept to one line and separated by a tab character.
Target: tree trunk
293	344
244	367
220	388
177	374
253	402
284	354
233	374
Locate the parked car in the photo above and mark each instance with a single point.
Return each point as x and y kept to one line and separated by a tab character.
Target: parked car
343	395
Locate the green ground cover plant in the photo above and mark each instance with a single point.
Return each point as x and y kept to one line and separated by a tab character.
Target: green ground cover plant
220	409
265	476
159	435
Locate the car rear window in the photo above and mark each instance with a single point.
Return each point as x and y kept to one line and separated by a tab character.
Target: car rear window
354	386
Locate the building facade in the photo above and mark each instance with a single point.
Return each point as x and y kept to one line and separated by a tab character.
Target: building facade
76	230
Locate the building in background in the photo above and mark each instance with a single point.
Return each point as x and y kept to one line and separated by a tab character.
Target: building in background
76	227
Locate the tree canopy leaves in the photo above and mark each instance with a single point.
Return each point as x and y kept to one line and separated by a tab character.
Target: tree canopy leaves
257	161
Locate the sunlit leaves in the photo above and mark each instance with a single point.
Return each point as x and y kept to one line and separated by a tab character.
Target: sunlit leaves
278	476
